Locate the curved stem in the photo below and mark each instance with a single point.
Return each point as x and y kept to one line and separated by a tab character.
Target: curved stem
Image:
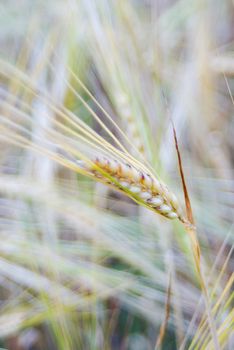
191	230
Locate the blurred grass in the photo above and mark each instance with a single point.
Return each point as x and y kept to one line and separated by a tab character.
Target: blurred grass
81	266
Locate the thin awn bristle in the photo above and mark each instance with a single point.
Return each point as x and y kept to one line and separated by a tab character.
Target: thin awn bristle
141	186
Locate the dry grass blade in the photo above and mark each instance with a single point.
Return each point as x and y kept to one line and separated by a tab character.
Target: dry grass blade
186	195
163	327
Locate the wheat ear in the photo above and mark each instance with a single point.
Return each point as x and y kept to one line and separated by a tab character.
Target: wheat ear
137	184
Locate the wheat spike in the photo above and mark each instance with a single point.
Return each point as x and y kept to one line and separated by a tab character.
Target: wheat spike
139	185
117	168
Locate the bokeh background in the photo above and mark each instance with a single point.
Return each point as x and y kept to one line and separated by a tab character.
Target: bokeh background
81	266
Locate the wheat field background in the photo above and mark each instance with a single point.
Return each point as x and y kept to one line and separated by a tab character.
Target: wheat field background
99	249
